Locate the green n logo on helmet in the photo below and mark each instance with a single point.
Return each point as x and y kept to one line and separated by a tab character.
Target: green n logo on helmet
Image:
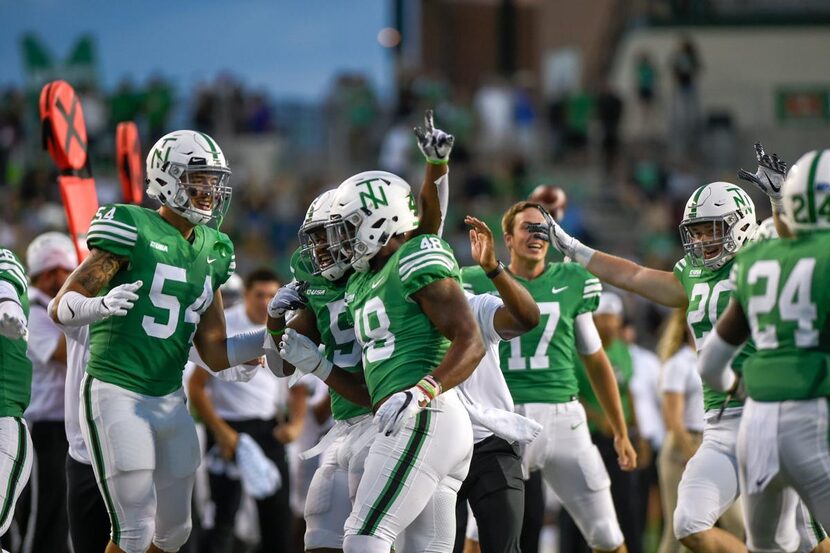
742	201
160	158
374	194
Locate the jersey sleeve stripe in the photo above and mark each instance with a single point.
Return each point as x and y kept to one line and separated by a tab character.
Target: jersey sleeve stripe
404	266
114	230
593	288
12	261
114	223
407	266
111	238
592	295
428	263
468	287
407	259
591	281
14	272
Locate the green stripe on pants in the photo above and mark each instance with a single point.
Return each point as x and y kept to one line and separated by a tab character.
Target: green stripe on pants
394	485
14	477
98	460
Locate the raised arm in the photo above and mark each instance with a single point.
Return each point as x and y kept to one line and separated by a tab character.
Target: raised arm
769	178
520	313
661	287
436	146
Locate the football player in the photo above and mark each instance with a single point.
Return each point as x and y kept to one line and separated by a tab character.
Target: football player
322	317
719	219
419	339
148	290
539	370
16	383
780	301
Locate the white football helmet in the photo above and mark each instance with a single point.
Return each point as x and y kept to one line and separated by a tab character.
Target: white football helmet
731	214
314	243
367	210
807	193
185	165
766	231
51	250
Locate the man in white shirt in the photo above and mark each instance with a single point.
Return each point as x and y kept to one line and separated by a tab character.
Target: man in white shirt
494	485
50	259
231	408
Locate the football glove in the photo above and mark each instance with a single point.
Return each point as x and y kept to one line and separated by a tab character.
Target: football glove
304	354
435	144
75	309
393	415
770	175
288	298
12	320
567	245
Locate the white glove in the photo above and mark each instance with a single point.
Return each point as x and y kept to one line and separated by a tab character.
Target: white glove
288	298
770	176
304	354
75	309
392	416
435	144
561	240
12	320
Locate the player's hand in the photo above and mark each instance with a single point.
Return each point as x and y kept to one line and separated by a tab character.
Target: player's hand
550	231
304	354
481	244
227	439
435	144
119	300
626	455
12	320
288	298
770	175
398	409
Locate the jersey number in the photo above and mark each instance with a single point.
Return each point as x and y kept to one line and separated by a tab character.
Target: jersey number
706	311
372	326
794	302
540	358
347	354
170	303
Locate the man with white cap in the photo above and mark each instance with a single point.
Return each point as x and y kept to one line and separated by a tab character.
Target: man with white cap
50	259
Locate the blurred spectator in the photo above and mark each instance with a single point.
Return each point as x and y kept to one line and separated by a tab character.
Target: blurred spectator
609	108
684	122
493	104
158	102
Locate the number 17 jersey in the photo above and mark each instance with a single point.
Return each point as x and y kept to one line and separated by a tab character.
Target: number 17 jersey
539	365
146	350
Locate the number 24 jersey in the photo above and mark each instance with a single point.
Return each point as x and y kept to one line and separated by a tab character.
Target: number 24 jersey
146	350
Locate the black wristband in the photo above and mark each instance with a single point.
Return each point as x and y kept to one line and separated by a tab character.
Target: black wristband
495	272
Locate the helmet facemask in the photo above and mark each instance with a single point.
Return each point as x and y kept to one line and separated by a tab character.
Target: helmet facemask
316	252
703	235
345	246
202	194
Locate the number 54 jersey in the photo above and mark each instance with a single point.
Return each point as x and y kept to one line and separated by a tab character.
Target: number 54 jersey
146	350
539	366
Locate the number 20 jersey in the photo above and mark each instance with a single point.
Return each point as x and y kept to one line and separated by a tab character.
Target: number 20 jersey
146	350
539	365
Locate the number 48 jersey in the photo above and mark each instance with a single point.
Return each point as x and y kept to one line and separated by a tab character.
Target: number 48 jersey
539	366
146	350
782	288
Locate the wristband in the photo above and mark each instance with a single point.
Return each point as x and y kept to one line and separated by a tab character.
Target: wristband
430	386
277	332
438	161
495	272
777	205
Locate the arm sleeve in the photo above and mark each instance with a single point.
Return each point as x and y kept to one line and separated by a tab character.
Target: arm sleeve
443	187
11	271
113	230
586	334
484	308
713	362
425	260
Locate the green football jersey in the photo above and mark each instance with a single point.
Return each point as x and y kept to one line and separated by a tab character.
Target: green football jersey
781	286
326	300
146	350
400	344
620	358
709	292
539	365
15	367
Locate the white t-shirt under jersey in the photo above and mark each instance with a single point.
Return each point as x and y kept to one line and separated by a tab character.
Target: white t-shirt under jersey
486	386
48	376
256	399
680	376
77	355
